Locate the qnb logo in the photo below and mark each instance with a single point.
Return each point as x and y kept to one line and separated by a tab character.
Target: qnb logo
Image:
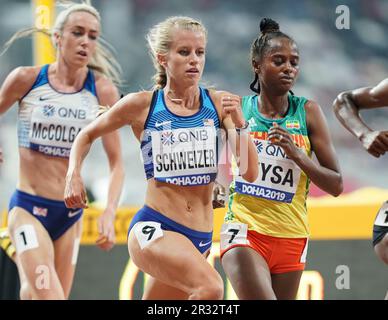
193	136
48	110
71	113
275	151
259	146
167	138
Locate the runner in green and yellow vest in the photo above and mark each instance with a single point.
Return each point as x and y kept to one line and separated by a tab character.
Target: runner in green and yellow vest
265	235
280	179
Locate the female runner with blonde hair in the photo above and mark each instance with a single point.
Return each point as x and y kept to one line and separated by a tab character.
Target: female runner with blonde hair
56	102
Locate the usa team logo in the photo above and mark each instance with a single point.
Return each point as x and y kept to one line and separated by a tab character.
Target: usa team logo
168	138
208	122
48	110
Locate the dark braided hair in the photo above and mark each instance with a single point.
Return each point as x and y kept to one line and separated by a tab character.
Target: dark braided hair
269	29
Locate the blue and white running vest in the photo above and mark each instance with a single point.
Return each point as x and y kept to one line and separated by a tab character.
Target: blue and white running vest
49	121
181	150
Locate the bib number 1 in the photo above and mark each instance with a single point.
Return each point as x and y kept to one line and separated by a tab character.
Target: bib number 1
25	238
382	216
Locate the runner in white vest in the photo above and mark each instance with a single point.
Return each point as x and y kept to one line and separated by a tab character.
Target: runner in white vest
56	102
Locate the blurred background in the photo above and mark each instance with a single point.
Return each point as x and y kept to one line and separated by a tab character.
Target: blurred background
332	61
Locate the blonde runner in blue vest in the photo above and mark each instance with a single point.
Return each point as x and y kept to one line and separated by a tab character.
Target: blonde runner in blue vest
175	124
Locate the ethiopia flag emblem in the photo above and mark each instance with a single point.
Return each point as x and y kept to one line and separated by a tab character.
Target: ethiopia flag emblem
292	124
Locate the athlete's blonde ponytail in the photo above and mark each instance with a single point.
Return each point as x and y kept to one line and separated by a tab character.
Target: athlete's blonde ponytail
103	59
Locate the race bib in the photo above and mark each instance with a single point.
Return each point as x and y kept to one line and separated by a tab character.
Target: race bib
147	232
382	216
186	156
233	233
278	176
25	238
54	128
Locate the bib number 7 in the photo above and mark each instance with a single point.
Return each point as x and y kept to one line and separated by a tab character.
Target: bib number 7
232	234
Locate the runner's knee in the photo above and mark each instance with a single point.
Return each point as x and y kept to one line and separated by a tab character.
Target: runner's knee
381	250
211	289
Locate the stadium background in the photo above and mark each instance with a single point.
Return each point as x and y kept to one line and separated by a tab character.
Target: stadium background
332	61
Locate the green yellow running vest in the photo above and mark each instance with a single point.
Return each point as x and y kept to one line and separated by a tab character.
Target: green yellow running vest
275	204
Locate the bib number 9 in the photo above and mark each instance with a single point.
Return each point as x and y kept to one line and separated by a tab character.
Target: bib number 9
147	232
